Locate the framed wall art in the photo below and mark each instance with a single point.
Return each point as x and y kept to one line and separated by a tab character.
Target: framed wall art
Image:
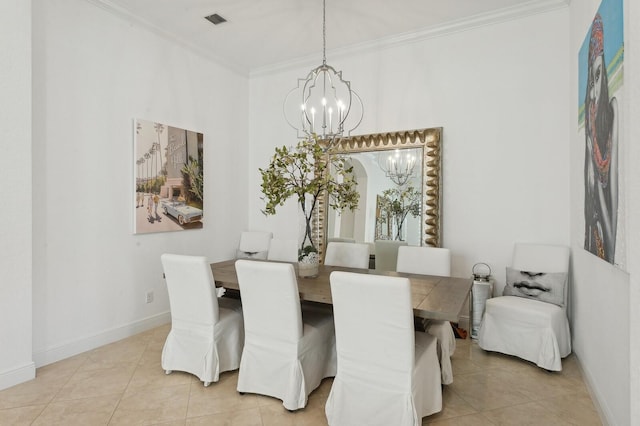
168	178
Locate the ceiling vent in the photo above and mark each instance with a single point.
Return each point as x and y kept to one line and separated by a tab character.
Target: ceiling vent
215	19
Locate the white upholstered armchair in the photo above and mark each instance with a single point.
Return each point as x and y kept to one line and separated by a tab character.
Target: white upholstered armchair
530	319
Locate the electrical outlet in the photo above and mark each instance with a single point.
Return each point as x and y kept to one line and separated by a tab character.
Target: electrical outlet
149	297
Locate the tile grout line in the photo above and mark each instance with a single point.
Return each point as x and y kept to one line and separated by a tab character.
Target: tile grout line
115	408
57	392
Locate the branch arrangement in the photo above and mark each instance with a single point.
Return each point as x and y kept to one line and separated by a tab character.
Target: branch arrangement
307	172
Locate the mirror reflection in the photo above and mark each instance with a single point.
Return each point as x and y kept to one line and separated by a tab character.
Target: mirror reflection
398	175
389	183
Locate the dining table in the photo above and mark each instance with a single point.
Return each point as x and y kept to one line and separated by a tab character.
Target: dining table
433	297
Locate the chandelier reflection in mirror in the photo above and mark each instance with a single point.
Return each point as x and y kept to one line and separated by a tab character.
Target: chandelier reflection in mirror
323	104
397	166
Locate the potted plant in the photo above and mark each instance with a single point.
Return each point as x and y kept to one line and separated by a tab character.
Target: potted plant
306	173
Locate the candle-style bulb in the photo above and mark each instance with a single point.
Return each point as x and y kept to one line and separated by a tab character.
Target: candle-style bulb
313	119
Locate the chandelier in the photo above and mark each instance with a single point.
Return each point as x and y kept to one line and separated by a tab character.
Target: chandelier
397	166
323	104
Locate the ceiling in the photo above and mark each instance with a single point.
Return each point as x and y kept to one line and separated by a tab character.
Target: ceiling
265	33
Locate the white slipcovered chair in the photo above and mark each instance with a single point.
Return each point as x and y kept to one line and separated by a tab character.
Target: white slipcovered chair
283	250
388	374
340	240
207	332
387	254
524	326
432	261
424	260
254	244
348	255
286	353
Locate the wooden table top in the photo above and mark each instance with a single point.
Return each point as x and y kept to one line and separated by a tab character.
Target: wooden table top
433	297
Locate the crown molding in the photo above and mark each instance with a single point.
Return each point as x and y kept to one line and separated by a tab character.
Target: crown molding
451	27
502	15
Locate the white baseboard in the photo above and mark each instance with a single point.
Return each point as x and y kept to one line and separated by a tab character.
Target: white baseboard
603	410
87	343
17	375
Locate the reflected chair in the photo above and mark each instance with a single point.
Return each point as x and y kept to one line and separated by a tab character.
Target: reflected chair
254	244
340	240
207	332
283	250
348	255
531	321
287	352
432	261
388	374
387	254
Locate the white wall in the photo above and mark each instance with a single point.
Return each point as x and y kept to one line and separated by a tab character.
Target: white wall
16	363
93	74
605	299
499	92
632	88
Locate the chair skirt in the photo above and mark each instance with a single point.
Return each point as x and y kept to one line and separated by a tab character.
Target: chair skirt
290	371
443	332
529	329
353	401
206	351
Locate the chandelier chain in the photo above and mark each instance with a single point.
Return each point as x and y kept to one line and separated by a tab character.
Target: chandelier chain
324	32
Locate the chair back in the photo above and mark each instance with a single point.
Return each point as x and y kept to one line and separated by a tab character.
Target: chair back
387	254
348	255
424	260
254	241
340	240
540	258
374	333
191	289
270	299
283	250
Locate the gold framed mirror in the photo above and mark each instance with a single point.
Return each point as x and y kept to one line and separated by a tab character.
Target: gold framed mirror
425	146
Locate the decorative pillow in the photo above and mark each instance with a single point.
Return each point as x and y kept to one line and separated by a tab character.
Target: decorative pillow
543	286
262	255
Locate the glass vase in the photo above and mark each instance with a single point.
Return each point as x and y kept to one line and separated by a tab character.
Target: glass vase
308	256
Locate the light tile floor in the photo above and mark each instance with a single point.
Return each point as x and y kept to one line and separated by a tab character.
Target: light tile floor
123	384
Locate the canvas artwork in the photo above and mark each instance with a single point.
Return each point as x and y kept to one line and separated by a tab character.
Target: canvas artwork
601	59
168	178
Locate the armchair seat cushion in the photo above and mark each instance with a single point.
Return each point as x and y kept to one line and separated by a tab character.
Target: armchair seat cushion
524	311
530	329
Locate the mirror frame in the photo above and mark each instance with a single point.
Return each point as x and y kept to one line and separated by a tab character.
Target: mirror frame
430	140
